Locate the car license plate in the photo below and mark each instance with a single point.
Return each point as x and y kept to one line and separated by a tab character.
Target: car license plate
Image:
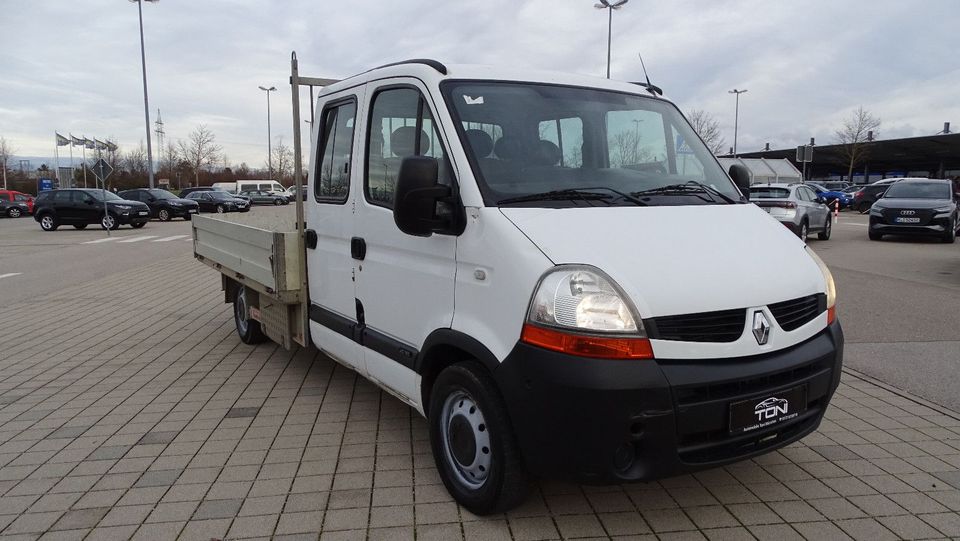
767	410
142	213
902	220
192	211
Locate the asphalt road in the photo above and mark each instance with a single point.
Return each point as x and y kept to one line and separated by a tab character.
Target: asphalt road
898	299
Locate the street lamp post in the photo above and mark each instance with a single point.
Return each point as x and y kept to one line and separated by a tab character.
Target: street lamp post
609	6
269	149
736	117
146	103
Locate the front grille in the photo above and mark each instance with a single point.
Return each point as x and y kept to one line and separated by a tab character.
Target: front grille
890	216
721	326
795	313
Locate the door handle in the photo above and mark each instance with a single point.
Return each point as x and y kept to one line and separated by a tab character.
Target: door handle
310	239
358	248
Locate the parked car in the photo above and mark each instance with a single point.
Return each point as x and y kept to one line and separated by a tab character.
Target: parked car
18	197
616	320
796	206
864	198
13	209
830	195
292	192
218	201
924	207
263	197
187	191
836	185
81	207
163	204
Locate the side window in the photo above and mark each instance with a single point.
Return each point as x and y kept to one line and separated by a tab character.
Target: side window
401	125
567	135
336	152
264	187
62	197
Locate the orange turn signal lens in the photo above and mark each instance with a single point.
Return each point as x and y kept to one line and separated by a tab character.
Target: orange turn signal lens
831	315
600	347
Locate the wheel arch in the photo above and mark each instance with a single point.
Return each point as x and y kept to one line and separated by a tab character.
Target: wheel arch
442	348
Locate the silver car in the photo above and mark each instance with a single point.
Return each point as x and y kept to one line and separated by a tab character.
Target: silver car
796	206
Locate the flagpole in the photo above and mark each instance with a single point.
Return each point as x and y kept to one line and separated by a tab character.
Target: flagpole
56	156
71	160
84	147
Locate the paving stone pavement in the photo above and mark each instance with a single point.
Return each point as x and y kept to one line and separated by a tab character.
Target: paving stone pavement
129	409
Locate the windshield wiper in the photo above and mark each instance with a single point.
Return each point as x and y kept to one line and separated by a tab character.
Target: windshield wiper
690	186
586	194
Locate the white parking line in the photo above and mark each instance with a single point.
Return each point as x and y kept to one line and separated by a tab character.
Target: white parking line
168	239
9	274
847	223
138	239
98	241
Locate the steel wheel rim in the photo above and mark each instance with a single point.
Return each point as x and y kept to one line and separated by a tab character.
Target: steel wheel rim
460	417
46	222
241	311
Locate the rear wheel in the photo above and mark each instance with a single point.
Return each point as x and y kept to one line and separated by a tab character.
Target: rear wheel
804	231
48	222
473	442
277	202
221	209
827	229
138	225
249	329
80	226
863	207
164	215
14	212
109	221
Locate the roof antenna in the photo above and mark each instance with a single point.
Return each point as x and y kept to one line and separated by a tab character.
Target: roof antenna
650	86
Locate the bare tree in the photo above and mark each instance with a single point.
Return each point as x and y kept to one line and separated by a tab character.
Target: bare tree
200	151
282	160
708	129
853	136
170	158
6	152
135	161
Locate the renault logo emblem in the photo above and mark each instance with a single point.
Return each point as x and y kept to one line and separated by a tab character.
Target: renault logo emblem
761	327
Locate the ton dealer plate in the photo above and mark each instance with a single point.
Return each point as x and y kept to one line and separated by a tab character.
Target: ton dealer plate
765	411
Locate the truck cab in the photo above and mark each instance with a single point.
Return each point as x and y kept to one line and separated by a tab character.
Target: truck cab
555	271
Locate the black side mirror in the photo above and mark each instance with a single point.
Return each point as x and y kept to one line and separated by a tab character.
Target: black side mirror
416	197
741	178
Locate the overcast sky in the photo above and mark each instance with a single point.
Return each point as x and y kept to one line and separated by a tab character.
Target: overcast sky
74	67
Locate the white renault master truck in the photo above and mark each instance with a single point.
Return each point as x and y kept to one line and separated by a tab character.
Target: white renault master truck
553	269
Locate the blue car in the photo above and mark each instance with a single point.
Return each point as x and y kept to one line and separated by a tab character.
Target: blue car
829	196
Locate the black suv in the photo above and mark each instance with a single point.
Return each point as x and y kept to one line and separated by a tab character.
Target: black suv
163	204
916	207
82	207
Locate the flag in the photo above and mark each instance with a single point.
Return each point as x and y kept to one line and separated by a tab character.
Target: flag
76	141
61	140
100	144
89	144
111	147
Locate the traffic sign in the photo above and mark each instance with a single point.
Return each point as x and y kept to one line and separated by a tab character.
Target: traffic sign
102	170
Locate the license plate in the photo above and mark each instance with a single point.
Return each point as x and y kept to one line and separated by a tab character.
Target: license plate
143	213
191	211
767	410
907	220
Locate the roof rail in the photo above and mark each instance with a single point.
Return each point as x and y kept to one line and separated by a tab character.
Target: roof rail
425	61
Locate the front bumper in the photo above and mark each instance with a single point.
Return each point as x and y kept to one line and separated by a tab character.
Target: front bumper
935	228
183	212
611	421
134	216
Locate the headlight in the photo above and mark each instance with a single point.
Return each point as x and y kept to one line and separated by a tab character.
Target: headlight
876	211
580	311
943	210
831	286
175	204
123	207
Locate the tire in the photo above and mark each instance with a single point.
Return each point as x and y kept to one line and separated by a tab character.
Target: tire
14	212
863	207
874	236
139	225
163	215
467	417
248	329
804	231
277	202
109	221
80	226
950	236
827	229
220	209
49	222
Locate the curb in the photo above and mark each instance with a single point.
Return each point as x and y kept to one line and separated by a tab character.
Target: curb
902	394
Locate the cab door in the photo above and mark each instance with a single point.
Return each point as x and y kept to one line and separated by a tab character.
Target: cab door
405	283
330	201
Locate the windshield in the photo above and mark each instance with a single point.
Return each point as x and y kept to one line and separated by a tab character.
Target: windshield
101	195
918	190
525	139
162	194
769	193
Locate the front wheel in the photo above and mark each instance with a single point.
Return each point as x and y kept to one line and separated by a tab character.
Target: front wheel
950	235
874	236
164	215
109	221
827	229
14	212
863	207
473	442
221	209
804	231
249	329
138	225
48	223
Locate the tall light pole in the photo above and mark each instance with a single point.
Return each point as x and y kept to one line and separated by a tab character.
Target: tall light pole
146	102
269	149
736	118
609	6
